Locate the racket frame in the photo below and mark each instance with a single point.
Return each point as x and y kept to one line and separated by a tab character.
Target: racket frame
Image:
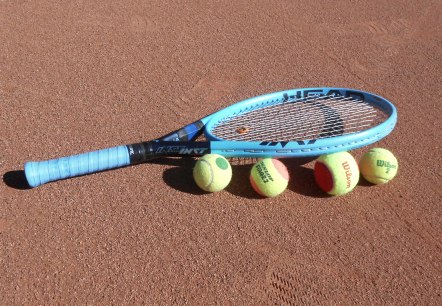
304	148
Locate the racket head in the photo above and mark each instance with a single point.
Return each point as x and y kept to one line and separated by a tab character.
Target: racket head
302	122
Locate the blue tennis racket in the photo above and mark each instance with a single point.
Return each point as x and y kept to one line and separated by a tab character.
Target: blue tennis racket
293	123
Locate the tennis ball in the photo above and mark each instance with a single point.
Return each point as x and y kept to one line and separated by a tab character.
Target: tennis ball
336	173
269	177
378	166
212	172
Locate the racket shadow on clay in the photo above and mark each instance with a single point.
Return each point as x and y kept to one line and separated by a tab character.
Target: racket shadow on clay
16	179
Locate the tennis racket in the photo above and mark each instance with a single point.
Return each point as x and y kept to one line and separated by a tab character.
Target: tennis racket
293	123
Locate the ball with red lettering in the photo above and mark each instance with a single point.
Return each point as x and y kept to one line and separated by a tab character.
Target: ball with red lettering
336	173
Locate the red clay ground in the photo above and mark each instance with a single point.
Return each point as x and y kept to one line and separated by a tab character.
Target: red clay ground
82	75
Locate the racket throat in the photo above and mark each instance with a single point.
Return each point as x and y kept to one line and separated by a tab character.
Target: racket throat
144	151
187	133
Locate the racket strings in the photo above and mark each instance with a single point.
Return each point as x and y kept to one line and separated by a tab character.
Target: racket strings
312	117
303	123
274	113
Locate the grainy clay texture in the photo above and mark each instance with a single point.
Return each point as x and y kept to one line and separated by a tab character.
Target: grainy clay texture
82	75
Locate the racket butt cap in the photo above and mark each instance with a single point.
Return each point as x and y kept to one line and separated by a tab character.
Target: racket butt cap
32	174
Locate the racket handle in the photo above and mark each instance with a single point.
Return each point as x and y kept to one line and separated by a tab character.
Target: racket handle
41	172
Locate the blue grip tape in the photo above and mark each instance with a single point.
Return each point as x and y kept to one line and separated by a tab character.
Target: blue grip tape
38	173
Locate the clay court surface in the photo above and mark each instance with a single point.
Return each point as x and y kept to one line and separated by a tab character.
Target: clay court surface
77	76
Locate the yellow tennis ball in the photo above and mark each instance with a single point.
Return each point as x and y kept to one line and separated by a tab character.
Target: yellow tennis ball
336	173
269	177
212	172
378	166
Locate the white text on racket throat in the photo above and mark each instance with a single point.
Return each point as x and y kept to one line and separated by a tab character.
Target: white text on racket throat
181	150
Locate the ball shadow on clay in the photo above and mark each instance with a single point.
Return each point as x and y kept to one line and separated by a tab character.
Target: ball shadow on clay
302	177
180	175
